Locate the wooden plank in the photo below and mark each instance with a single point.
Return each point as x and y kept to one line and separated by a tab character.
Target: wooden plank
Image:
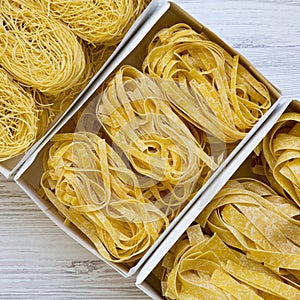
38	261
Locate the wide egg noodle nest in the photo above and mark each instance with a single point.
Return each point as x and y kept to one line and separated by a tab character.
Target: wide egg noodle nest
157	143
90	185
250	248
207	86
96	22
18	118
277	158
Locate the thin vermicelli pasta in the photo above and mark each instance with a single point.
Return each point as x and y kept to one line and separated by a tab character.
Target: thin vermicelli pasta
92	188
96	22
159	146
279	156
206	85
250	248
18	118
38	51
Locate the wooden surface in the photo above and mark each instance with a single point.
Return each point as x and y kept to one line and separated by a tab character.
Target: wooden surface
38	261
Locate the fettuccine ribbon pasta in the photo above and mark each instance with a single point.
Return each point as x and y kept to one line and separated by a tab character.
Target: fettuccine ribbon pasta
252	250
159	146
279	156
90	185
206	85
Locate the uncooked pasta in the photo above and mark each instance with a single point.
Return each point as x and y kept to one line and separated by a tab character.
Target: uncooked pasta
205	84
91	186
245	246
18	118
97	22
159	146
279	156
38	51
200	266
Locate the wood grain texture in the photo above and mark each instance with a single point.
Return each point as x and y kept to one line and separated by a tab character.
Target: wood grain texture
38	261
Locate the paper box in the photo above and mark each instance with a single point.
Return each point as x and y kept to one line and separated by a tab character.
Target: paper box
134	52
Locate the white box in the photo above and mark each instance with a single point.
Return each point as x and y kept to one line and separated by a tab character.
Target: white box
237	168
167	14
9	167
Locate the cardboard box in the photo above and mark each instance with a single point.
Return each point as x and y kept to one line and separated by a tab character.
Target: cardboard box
167	14
240	167
9	167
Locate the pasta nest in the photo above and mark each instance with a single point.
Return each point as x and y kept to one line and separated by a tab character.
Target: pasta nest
157	143
39	51
96	21
90	185
18	118
207	85
278	157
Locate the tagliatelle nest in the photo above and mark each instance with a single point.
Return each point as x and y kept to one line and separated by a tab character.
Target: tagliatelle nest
90	185
253	253
139	120
38	51
210	88
279	156
102	21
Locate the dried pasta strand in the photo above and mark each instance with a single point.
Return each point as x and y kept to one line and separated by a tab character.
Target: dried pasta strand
279	158
138	119
203	267
38	51
104	22
18	118
206	85
92	188
250	216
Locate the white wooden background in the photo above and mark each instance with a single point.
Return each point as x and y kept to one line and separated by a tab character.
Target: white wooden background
38	261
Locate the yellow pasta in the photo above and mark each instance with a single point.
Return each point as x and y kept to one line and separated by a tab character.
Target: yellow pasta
202	267
38	51
159	146
18	118
279	156
90	185
205	84
249	216
104	22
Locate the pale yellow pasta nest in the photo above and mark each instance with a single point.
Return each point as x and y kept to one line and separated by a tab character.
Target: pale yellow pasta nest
252	252
134	112
279	156
90	185
104	22
18	118
207	86
38	51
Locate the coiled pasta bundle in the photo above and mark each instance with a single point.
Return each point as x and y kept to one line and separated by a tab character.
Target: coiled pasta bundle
18	118
104	22
205	84
38	51
200	266
250	216
250	248
92	188
138	119
279	156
